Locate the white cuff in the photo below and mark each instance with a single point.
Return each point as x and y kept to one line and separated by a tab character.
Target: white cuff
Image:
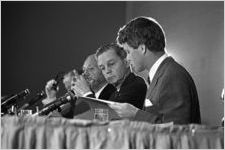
86	94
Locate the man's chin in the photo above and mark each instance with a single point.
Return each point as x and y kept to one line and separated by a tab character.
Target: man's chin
137	69
111	81
90	82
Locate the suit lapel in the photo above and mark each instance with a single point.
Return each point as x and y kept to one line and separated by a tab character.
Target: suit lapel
128	79
157	75
107	92
153	84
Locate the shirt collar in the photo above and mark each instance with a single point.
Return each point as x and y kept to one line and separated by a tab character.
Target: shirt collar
99	91
156	65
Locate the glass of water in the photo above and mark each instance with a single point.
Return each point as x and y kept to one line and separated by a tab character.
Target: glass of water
25	112
101	114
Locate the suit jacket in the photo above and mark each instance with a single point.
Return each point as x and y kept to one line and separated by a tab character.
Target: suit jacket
173	95
132	90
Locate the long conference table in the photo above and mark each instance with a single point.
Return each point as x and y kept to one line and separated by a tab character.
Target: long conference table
61	133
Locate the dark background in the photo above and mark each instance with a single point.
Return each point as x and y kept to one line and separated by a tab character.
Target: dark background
39	39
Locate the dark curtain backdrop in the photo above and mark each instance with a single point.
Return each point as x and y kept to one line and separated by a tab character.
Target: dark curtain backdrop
39	39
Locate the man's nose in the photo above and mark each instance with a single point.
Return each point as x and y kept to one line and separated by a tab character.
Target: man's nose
108	70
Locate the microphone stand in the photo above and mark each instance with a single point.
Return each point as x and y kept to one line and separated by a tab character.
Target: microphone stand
62	100
9	106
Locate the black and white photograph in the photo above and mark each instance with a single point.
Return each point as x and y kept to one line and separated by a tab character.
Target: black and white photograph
112	75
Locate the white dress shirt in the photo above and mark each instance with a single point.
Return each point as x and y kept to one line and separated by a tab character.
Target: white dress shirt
156	65
97	93
152	72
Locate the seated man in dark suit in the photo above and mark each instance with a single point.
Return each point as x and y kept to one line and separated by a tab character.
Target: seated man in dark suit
95	84
172	90
129	87
94	81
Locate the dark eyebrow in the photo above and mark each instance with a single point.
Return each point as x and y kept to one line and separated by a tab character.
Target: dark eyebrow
111	60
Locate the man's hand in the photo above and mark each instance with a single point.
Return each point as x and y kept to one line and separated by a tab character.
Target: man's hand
124	110
50	92
80	85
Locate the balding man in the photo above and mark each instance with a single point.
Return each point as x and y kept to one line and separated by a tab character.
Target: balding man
93	82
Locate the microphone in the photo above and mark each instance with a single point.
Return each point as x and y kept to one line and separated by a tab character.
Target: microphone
13	98
34	100
58	79
60	101
5	97
80	71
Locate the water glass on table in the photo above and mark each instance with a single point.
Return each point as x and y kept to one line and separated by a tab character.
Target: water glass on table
25	112
101	114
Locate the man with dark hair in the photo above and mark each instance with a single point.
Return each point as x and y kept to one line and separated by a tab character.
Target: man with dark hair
172	90
92	81
90	84
112	62
130	88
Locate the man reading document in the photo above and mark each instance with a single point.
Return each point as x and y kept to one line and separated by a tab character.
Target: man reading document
112	62
172	90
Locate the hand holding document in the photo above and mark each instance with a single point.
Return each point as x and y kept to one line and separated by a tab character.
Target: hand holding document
124	110
117	110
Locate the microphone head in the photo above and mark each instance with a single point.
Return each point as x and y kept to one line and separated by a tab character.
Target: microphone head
38	97
23	93
12	100
33	101
26	91
5	97
80	71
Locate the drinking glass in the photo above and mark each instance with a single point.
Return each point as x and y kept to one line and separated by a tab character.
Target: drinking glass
101	114
25	112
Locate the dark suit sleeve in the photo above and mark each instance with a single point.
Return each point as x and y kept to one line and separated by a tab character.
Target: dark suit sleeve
148	117
134	93
173	96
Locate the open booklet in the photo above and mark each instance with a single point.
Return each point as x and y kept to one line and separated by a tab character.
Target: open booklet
96	104
95	100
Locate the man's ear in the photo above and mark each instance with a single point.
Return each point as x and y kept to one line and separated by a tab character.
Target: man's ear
126	62
142	49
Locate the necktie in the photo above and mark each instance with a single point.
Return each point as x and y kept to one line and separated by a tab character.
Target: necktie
148	80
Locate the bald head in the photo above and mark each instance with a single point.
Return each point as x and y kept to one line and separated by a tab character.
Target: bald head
93	74
90	60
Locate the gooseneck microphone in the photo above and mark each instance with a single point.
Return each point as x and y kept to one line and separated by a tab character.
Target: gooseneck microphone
60	101
11	100
33	101
59	77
